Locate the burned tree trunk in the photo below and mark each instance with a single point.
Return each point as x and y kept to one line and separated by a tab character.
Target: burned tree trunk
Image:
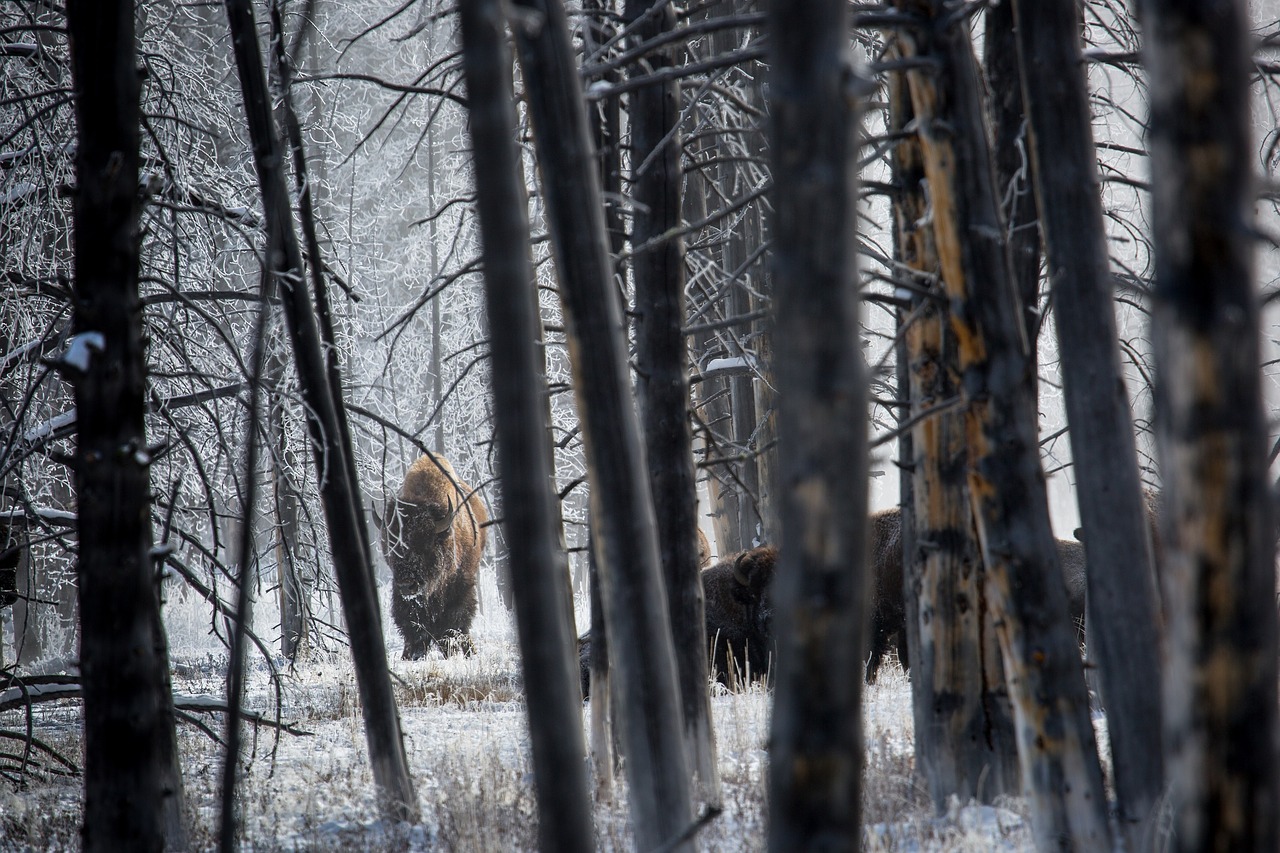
963	720
621	503
820	596
128	714
1006	484
339	494
539	570
1009	155
1123	608
605	118
1216	523
662	378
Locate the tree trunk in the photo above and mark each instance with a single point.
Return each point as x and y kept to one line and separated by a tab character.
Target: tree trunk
1123	610
539	569
1006	484
662	381
820	596
1217	537
622	506
338	491
606	130
965	743
123	668
1009	153
295	590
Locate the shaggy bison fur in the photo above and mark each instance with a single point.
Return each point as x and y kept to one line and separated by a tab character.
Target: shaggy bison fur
432	538
739	619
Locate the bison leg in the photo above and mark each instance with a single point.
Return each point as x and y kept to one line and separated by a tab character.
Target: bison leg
452	610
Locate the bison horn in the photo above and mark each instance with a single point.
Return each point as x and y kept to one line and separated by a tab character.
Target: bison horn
738	574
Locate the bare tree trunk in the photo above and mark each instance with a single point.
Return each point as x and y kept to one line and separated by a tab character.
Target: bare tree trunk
539	570
965	744
621	504
339	496
295	591
1124	617
1011	156
662	381
1006	484
605	119
820	596
123	668
1217	536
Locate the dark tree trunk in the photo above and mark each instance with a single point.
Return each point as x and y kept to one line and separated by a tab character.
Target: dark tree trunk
1056	744
128	716
1122	604
662	381
338	491
539	570
605	119
1217	537
1012	167
965	744
820	596
622	506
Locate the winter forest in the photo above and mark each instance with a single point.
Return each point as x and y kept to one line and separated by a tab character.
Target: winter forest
639	425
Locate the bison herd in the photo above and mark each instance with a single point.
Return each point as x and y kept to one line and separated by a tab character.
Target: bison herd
739	609
433	535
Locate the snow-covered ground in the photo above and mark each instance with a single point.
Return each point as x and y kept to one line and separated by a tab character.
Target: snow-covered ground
465	733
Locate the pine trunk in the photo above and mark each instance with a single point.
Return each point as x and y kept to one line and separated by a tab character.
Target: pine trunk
1057	750
128	721
539	569
964	734
1123	610
820	596
662	381
1217	537
621	503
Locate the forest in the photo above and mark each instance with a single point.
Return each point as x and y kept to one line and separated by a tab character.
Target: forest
639	425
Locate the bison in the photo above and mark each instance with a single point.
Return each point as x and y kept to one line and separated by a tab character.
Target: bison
432	537
739	619
739	615
888	619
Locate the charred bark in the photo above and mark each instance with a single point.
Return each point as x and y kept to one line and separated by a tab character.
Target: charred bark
820	597
621	503
1056	744
1011	158
964	736
662	378
539	568
1123	608
128	714
1218	574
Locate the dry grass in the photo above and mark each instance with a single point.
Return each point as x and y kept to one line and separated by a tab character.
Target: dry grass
465	735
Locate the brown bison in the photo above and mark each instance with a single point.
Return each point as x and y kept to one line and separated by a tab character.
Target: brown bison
889	620
739	615
432	537
739	619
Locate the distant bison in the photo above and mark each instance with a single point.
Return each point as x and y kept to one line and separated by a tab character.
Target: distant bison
739	615
432	538
889	612
739	619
